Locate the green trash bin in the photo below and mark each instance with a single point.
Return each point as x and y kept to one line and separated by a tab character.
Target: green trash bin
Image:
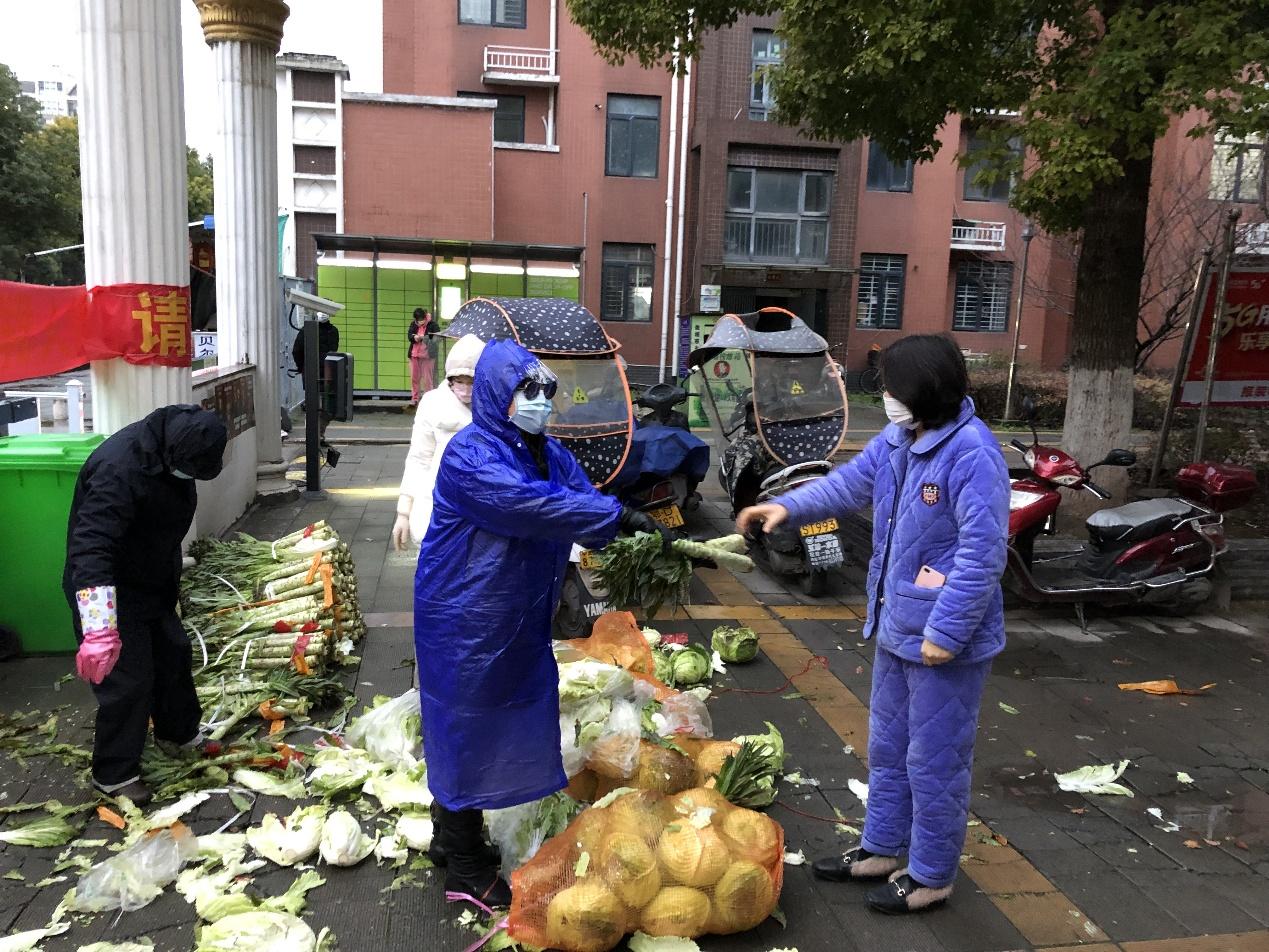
37	482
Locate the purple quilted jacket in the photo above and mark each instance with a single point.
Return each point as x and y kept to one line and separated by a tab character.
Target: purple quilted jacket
940	500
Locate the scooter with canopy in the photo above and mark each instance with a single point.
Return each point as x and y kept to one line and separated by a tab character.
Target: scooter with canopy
783	431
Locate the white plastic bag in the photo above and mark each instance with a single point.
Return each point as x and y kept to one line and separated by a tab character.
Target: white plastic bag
138	875
390	731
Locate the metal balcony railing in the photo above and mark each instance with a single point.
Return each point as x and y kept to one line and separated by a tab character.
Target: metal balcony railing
1252	238
978	235
521	61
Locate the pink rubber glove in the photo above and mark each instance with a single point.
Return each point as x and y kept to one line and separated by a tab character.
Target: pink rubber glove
98	654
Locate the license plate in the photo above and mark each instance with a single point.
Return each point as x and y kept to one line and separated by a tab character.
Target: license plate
669	516
589	560
823	551
818	528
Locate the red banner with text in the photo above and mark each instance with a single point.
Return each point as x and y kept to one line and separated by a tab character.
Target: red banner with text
49	330
1242	350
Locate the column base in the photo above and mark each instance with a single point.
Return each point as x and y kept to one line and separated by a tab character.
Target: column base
272	486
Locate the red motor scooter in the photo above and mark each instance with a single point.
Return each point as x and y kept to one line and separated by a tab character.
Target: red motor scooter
1156	551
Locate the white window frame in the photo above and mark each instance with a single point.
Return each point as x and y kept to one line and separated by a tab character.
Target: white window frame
761	106
1230	160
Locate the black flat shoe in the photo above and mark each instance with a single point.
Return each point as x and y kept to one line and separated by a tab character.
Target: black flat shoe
903	895
851	866
136	791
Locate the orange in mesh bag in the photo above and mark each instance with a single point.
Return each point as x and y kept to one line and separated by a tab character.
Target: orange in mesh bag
617	639
686	865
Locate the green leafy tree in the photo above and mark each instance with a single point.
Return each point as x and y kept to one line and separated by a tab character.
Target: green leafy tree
199	175
23	199
1093	83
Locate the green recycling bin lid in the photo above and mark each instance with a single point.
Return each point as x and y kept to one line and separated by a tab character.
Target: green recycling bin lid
47	450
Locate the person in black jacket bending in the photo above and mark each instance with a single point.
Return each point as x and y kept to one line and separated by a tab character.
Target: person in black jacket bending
134	502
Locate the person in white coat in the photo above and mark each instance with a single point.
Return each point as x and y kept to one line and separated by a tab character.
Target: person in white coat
442	413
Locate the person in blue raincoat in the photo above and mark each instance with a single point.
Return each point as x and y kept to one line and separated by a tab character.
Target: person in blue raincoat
939	490
508	505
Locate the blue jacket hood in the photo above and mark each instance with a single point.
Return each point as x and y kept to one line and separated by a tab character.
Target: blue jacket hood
501	369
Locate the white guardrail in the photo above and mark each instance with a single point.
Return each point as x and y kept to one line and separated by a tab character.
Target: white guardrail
518	59
72	397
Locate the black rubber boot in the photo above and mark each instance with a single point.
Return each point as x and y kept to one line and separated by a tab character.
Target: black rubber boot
436	852
469	869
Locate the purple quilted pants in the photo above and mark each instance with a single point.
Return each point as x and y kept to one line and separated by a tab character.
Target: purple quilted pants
920	761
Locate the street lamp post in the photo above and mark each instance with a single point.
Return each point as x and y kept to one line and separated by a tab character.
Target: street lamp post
1028	232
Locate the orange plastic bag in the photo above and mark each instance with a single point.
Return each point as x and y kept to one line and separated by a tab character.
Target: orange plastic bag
617	639
685	865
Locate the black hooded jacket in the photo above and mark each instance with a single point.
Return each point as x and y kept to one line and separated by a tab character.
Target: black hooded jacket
130	514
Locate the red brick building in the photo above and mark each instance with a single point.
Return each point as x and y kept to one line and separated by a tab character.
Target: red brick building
499	122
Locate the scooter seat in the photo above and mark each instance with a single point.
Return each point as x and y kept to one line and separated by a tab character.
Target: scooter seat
1135	521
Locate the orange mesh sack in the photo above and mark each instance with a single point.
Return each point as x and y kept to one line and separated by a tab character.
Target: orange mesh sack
684	865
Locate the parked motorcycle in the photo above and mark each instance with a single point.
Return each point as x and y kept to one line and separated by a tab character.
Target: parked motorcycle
1156	551
666	462
783	431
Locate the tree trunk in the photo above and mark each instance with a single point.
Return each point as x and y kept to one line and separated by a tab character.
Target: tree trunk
1104	328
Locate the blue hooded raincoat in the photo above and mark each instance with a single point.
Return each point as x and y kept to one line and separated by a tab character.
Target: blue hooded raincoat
488	580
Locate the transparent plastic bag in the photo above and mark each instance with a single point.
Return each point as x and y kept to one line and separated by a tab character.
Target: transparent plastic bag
138	875
685	714
520	831
615	753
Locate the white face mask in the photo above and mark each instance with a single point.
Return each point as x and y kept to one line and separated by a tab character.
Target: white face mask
531	415
179	475
898	413
461	390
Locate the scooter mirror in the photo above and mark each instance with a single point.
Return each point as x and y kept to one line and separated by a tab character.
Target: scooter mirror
1119	457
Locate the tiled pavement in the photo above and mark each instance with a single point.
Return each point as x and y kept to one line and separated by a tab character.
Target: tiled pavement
1043	869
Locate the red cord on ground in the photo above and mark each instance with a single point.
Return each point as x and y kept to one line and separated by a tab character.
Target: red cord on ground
816	661
811	816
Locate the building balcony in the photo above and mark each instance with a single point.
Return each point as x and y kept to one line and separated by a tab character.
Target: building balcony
520	66
978	235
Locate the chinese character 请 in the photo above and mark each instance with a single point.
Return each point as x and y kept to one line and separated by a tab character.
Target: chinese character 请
164	323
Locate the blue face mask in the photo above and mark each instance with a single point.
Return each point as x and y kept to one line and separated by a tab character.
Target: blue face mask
531	415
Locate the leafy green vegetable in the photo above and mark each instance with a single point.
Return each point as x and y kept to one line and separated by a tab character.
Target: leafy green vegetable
290	841
343	843
692	665
735	645
46	831
271	785
337	770
260	931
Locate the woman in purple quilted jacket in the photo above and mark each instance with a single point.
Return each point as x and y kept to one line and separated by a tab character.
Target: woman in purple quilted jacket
939	490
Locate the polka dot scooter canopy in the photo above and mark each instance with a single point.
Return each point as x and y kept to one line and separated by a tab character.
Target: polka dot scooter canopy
557	329
542	325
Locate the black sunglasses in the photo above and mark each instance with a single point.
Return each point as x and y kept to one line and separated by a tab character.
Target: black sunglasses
532	387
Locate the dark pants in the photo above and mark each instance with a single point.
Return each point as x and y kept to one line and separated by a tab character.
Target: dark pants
153	680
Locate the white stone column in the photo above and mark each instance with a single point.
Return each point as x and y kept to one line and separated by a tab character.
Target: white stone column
132	160
245	36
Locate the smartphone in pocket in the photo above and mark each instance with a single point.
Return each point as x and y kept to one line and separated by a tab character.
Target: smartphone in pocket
930	578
